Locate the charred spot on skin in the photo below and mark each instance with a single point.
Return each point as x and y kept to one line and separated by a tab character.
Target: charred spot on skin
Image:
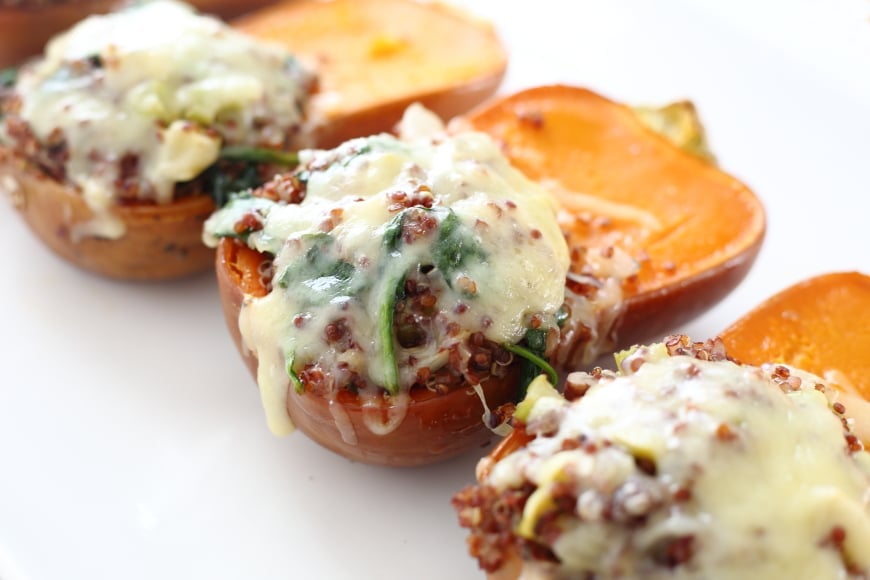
175	249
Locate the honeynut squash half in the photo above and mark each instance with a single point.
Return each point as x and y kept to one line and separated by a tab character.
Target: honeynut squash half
394	296
117	143
688	463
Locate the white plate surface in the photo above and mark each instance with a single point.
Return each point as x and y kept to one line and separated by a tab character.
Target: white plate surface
132	442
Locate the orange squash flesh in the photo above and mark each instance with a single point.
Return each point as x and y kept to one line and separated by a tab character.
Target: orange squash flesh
821	325
694	229
373	58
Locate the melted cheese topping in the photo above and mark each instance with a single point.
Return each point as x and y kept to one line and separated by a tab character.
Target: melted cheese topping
163	86
340	255
769	489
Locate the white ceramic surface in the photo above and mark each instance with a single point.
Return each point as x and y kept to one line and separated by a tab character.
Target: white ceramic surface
132	443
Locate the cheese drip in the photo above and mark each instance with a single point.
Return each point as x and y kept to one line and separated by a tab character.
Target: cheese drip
144	98
746	469
334	264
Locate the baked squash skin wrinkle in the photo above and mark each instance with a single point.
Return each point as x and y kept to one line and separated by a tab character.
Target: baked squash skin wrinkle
389	293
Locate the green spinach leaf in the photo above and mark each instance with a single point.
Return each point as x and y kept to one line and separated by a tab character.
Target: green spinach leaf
318	277
8	76
290	360
260	155
393	291
456	247
534	362
221	183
